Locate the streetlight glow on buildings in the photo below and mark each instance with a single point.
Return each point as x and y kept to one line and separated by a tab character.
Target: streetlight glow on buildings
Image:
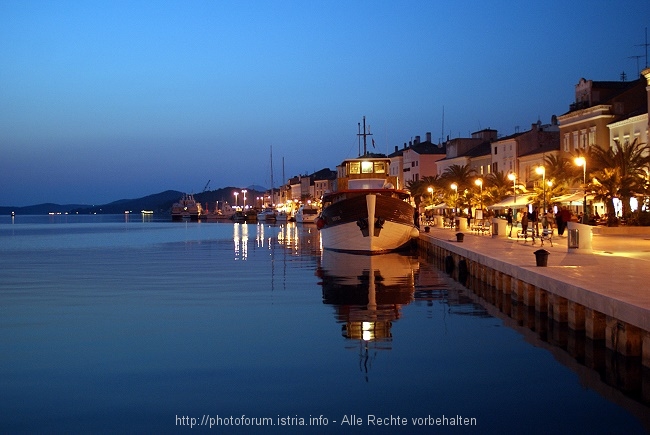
581	161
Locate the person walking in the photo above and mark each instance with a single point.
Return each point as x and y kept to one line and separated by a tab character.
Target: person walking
559	222
549	221
524	225
534	222
509	219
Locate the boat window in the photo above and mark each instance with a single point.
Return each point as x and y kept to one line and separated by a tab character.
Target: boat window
366	167
380	167
354	168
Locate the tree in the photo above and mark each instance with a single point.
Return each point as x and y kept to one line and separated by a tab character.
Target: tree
620	171
462	175
498	187
420	190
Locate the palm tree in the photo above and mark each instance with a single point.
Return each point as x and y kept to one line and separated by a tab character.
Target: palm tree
462	175
624	163
606	184
560	170
498	187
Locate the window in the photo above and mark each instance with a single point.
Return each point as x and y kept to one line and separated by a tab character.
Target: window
566	142
355	168
495	151
366	167
380	167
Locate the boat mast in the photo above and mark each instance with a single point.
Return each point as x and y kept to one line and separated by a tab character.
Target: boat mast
271	176
364	134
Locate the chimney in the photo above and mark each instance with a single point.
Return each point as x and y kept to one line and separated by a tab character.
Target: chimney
417	140
428	136
395	148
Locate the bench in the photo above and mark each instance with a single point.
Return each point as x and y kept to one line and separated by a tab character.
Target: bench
545	235
481	227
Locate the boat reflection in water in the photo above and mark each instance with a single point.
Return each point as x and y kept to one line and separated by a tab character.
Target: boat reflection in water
367	292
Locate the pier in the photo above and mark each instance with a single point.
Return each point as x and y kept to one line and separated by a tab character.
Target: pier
601	293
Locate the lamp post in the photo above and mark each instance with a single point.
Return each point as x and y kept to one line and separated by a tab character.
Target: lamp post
454	187
479	182
430	190
244	193
236	203
512	176
581	161
541	170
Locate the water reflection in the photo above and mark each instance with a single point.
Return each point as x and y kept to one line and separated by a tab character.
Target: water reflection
367	292
240	239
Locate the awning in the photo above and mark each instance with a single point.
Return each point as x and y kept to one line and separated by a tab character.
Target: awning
572	198
436	207
509	202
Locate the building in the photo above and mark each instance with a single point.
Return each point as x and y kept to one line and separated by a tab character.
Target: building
459	152
417	160
522	153
598	104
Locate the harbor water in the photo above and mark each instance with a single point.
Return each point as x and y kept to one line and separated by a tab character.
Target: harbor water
128	324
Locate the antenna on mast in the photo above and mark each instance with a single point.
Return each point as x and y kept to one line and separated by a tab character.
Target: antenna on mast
364	134
359	136
645	46
443	125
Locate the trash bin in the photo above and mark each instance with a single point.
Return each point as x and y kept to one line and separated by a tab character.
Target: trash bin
541	257
580	238
426	229
574	239
460	237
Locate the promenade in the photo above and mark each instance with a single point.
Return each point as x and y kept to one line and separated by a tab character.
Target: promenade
610	282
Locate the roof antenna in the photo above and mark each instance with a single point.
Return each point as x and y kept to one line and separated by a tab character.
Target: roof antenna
646	47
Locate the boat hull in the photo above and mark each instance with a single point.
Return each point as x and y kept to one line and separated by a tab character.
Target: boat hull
367	223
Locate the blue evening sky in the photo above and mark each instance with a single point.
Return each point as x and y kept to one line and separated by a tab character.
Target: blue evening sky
105	100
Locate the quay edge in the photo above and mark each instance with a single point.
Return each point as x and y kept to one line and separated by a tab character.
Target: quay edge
603	296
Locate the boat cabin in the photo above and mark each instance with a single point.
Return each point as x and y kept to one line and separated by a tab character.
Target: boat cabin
365	173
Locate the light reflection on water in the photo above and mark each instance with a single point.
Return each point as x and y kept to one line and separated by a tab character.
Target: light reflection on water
121	325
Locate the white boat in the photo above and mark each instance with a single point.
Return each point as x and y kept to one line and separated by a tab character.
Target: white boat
306	214
367	214
267	215
281	216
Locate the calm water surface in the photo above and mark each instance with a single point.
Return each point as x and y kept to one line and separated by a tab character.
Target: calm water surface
114	324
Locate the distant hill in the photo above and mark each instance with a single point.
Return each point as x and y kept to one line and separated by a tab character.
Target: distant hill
41	208
159	203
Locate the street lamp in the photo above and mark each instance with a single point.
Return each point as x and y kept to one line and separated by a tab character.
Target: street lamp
430	190
512	176
479	182
454	187
581	161
244	193
236	203
541	170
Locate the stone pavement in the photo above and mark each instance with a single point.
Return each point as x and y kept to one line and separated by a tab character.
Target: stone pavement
613	279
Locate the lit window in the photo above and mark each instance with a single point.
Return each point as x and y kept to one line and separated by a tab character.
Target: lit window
366	167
